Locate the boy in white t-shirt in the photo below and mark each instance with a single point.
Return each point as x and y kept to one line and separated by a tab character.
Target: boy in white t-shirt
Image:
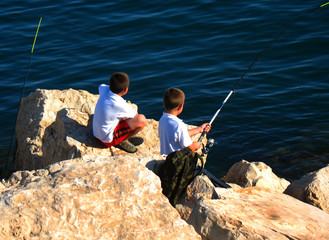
173	132
115	120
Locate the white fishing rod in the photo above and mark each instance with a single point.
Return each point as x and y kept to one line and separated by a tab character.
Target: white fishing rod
255	60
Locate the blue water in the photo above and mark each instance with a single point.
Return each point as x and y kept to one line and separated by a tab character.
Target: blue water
278	114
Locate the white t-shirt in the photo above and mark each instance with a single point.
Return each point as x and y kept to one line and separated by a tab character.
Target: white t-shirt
173	134
110	109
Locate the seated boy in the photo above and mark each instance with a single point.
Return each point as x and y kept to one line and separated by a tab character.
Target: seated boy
115	120
173	132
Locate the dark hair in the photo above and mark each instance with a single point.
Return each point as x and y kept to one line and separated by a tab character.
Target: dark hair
172	98
118	82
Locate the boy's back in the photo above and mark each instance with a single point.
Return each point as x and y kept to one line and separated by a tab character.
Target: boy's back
115	121
173	134
110	109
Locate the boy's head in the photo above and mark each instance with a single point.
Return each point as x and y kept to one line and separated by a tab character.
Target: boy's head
173	98
119	81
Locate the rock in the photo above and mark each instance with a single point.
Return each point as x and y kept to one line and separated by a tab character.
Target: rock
105	193
313	188
200	188
153	162
249	213
248	174
257	213
54	125
89	198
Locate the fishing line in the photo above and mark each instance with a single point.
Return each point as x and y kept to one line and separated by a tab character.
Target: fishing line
22	93
255	60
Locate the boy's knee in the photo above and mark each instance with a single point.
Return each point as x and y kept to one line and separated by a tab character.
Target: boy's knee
141	120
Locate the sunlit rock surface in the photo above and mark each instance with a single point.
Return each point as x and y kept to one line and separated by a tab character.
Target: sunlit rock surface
89	198
250	213
255	174
313	188
54	125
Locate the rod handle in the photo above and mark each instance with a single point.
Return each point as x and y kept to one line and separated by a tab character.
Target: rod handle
202	136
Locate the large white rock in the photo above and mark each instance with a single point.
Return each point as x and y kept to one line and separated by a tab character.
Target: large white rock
200	188
313	188
248	174
253	213
89	198
116	197
54	125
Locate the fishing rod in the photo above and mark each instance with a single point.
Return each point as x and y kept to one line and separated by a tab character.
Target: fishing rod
254	61
22	92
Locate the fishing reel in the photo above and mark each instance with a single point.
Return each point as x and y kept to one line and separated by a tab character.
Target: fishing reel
206	148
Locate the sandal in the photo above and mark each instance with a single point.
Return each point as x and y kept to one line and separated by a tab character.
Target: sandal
136	141
126	146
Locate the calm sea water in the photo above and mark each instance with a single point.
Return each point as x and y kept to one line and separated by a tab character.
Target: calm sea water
279	114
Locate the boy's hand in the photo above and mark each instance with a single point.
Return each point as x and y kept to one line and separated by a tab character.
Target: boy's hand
195	146
200	129
205	127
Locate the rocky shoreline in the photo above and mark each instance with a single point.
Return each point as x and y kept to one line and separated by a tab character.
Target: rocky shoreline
70	187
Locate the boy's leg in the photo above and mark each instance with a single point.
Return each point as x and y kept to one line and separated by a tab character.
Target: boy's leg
136	124
120	134
126	129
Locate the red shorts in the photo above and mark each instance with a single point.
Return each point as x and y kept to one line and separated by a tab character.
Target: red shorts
120	133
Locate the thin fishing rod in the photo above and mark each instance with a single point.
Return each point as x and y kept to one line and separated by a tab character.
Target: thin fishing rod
255	60
22	92
28	67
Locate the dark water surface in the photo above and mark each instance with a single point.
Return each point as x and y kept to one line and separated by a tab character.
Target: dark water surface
279	114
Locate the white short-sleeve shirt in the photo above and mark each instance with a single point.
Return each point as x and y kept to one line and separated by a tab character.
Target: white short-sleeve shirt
173	134
110	109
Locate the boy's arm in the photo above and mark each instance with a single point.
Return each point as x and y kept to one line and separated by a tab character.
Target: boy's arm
198	130
195	146
127	111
